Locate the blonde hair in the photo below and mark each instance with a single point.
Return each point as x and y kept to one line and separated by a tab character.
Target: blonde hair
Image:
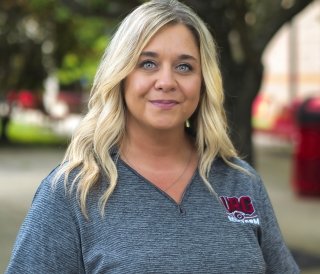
103	127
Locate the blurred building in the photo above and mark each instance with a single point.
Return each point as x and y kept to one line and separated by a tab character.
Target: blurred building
292	71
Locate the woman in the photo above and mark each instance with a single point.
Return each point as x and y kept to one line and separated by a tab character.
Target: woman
151	182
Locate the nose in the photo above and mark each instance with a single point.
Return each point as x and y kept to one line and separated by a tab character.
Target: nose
165	81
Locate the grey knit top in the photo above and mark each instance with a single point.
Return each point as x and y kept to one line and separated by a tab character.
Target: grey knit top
145	231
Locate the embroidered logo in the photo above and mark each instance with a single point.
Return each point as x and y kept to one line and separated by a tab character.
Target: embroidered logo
240	210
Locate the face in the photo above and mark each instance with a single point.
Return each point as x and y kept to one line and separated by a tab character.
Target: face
163	90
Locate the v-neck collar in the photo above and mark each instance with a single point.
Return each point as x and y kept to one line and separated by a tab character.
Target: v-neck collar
165	194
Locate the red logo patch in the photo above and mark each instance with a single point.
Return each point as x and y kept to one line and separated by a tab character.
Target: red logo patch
240	209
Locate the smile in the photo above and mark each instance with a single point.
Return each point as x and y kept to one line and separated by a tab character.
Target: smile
164	104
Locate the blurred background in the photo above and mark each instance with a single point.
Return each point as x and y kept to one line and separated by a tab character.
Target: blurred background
270	61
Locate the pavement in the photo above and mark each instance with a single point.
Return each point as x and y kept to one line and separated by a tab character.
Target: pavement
23	168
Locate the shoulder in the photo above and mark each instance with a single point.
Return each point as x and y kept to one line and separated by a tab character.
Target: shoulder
64	188
53	190
239	179
53	204
235	168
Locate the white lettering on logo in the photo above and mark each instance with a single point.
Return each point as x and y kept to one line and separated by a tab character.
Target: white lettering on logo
254	221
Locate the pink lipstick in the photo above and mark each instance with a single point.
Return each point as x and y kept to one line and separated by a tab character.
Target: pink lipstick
164	104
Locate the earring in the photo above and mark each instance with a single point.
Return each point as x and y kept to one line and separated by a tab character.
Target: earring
187	123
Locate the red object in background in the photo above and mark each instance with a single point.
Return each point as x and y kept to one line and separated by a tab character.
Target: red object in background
285	124
277	122
306	170
23	98
27	99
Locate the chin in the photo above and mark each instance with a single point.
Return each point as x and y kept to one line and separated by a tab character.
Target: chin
166	126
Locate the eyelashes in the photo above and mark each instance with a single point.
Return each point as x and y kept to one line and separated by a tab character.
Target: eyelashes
152	65
185	67
147	64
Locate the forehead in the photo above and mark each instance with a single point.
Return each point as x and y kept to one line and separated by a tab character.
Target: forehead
174	38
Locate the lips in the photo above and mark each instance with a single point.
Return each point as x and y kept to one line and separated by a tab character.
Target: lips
164	104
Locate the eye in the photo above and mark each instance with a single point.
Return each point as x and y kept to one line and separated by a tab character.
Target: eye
184	68
148	65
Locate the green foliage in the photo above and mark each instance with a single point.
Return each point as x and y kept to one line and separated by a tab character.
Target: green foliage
90	40
40	5
31	134
40	37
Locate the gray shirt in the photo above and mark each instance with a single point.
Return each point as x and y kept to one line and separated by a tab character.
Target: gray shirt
145	231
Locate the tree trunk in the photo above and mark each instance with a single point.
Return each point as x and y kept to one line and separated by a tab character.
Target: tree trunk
3	130
241	83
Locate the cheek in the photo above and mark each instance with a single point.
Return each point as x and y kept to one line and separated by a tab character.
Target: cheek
194	96
194	92
136	84
196	102
130	90
135	94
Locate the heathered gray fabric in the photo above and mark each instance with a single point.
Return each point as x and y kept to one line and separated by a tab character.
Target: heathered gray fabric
145	231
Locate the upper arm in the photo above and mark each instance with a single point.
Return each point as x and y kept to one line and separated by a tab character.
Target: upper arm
276	254
48	240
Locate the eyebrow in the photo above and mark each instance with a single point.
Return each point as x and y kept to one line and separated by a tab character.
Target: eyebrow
180	57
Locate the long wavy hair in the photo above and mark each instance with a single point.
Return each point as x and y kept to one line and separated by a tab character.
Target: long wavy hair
103	127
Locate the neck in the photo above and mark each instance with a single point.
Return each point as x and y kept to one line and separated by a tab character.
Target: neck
149	144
